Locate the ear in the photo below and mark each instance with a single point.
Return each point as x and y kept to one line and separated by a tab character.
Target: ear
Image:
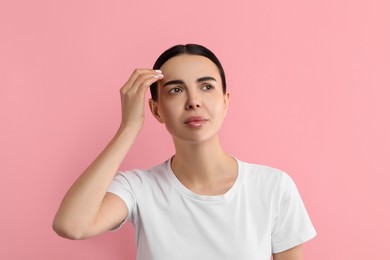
226	99
154	109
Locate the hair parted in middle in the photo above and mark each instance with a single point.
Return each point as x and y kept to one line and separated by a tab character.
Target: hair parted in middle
193	49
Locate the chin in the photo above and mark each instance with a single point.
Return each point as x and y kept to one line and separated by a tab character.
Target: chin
195	138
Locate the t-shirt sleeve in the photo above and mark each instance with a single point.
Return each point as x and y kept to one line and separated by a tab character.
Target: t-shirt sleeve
121	186
292	225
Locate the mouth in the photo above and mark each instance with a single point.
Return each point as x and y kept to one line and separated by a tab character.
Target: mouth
195	121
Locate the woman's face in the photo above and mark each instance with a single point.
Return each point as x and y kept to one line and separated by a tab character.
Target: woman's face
191	102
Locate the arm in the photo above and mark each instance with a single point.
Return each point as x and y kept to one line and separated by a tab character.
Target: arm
295	253
87	209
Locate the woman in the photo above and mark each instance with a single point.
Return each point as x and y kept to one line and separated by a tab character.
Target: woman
200	204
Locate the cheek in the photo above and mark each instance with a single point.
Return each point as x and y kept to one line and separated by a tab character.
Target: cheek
168	111
219	111
218	104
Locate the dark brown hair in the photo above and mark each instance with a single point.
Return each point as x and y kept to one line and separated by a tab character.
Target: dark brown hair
193	49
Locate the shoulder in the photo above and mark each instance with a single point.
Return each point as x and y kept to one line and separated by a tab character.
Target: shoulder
270	179
139	177
260	172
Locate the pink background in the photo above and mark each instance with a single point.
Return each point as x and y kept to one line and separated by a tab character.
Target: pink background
309	83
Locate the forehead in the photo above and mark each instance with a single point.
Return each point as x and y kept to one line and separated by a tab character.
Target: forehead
186	65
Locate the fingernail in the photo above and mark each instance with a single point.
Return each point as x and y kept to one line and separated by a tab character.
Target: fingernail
158	71
159	75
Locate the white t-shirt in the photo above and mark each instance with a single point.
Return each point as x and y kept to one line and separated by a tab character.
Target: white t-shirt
261	214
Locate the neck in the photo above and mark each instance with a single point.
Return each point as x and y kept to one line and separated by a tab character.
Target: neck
200	163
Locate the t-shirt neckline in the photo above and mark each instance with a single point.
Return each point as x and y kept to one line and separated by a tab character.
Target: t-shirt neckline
184	190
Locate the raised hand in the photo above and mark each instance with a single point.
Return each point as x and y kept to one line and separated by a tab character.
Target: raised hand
133	97
87	209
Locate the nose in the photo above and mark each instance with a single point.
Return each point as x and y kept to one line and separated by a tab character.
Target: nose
193	102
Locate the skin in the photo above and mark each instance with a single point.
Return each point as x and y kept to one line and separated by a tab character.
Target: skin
87	209
188	86
197	149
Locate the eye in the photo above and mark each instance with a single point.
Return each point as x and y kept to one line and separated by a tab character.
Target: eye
207	87
175	90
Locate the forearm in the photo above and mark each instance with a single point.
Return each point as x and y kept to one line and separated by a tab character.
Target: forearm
81	213
81	204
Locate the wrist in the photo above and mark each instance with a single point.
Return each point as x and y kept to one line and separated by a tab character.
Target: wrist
127	130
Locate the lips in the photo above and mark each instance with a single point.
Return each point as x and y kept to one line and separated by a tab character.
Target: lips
195	121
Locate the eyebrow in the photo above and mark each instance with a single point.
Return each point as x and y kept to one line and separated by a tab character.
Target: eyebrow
178	82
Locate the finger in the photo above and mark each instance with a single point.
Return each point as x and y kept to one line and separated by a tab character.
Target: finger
137	73
145	80
133	77
148	82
